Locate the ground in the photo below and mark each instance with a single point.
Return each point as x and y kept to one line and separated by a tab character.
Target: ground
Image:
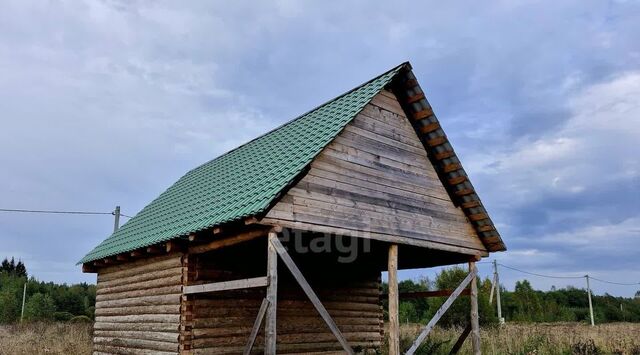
556	338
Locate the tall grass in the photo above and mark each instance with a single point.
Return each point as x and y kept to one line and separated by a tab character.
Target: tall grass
511	339
537	338
46	338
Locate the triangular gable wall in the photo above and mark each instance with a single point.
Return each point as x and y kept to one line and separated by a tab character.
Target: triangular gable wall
376	177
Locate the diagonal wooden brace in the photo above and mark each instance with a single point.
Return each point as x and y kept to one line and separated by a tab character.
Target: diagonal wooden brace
445	306
256	327
286	258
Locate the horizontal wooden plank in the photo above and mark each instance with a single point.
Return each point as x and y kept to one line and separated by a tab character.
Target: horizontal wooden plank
227	285
140	277
376	236
175	279
158	291
131	310
429	294
141	318
138	267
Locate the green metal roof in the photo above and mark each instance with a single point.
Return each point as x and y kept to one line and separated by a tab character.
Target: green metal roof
243	182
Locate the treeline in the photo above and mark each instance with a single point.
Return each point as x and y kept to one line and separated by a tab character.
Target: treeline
44	300
524	304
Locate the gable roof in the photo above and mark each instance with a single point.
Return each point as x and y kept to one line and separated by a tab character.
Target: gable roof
246	181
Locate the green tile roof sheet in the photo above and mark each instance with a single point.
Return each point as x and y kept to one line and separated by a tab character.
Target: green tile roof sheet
243	182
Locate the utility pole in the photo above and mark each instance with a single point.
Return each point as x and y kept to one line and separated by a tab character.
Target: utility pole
116	222
590	304
497	278
24	296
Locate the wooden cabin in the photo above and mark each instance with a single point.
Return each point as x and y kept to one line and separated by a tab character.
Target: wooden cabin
278	245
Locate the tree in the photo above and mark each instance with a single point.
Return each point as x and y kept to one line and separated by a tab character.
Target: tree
39	307
459	312
21	269
6	266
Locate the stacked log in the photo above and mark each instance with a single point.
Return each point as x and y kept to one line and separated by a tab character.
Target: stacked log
222	323
138	307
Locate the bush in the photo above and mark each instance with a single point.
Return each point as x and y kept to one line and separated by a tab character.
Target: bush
80	319
39	307
62	316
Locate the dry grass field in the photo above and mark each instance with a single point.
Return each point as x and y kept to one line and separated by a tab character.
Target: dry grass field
571	338
46	338
541	338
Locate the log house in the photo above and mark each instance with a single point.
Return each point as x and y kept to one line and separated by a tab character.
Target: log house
278	245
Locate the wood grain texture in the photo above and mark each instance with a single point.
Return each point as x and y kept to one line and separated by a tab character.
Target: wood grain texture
376	177
138	306
223	323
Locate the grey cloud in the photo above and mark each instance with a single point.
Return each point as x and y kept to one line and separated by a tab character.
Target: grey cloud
108	103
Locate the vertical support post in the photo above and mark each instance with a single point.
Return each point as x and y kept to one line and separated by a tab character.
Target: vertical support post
475	324
272	296
116	221
590	304
24	297
498	302
394	321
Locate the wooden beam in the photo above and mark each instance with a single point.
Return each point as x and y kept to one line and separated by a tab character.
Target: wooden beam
256	327
429	294
227	285
88	268
122	257
436	141
154	249
137	253
394	321
272	296
475	324
221	243
173	245
286	258
465	333
423	114
436	317
414	98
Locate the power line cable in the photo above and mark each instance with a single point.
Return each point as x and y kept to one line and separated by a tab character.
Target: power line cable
59	212
570	277
615	283
541	275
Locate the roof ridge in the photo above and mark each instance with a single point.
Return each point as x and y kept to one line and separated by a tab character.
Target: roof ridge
302	115
234	186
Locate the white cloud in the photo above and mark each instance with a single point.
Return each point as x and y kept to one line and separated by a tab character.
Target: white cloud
597	145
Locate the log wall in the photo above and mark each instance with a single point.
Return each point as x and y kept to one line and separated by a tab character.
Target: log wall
138	307
222	321
375	180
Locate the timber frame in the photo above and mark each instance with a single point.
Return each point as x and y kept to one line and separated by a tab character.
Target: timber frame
387	176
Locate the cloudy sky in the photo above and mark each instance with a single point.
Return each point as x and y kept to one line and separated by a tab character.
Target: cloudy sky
107	103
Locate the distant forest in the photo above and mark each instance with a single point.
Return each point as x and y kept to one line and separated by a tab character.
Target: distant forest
524	304
48	301
45	300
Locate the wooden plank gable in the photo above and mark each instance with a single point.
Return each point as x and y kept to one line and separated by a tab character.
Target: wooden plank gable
376	180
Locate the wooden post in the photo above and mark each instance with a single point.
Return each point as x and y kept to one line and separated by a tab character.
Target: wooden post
295	272
394	321
272	296
475	324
